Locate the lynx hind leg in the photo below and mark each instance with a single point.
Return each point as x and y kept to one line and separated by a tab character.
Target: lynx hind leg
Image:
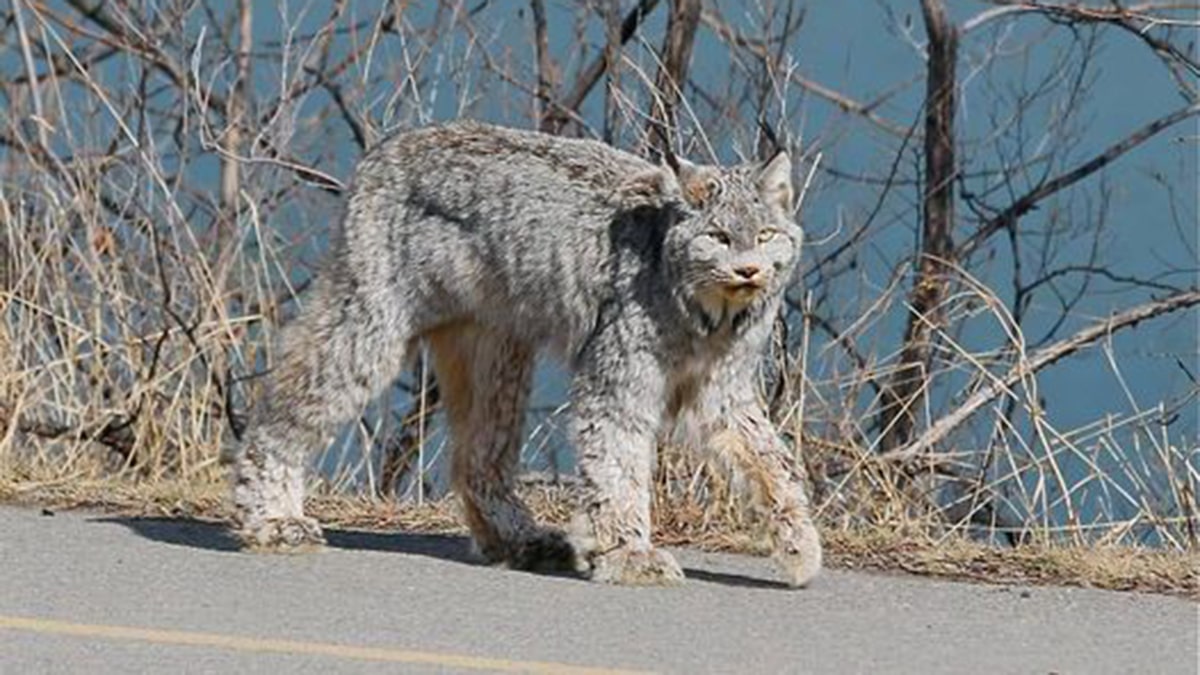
330	363
485	378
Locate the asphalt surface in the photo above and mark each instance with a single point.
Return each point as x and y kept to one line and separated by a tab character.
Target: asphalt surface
90	593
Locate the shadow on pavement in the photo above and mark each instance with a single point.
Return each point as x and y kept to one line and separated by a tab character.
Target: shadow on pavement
738	580
177	531
212	536
215	537
453	547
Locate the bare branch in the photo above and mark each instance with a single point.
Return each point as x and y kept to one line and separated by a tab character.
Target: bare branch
937	247
1009	216
1039	360
591	75
675	57
235	123
762	50
1138	20
545	67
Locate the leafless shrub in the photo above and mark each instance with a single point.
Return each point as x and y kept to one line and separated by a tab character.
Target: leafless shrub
170	170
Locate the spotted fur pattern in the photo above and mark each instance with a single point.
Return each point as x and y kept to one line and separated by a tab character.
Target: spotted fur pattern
656	285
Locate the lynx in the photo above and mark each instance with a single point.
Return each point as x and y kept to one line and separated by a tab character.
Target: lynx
655	283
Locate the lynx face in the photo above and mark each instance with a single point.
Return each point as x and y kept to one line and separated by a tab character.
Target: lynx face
735	244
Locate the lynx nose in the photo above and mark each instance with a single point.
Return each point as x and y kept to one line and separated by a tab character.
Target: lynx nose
747	272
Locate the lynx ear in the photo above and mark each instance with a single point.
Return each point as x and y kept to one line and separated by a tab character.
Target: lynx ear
700	184
775	181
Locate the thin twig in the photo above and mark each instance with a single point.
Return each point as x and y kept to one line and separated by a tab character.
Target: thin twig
1037	361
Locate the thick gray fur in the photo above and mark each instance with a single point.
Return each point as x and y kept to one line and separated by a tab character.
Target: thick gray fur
656	285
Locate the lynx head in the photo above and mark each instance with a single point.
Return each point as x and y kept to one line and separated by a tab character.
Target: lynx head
733	243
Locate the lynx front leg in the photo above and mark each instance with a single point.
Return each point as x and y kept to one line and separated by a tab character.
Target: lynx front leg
732	427
729	423
768	482
618	409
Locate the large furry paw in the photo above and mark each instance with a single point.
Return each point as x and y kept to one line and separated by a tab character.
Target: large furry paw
629	567
800	560
545	550
283	535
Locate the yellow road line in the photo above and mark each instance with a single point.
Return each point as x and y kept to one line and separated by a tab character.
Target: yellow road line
248	644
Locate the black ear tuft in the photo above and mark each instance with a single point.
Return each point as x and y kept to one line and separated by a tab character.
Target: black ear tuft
769	143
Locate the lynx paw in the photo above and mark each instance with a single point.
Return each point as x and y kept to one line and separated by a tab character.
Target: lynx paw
800	560
544	551
283	535
637	568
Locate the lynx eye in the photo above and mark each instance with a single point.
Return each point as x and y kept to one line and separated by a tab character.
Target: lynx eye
767	235
720	236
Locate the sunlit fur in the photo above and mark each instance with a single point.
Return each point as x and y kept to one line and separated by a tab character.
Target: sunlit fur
490	245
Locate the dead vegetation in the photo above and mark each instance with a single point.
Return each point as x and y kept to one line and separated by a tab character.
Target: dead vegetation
168	175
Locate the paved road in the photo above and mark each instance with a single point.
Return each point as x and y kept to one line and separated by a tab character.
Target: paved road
99	594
